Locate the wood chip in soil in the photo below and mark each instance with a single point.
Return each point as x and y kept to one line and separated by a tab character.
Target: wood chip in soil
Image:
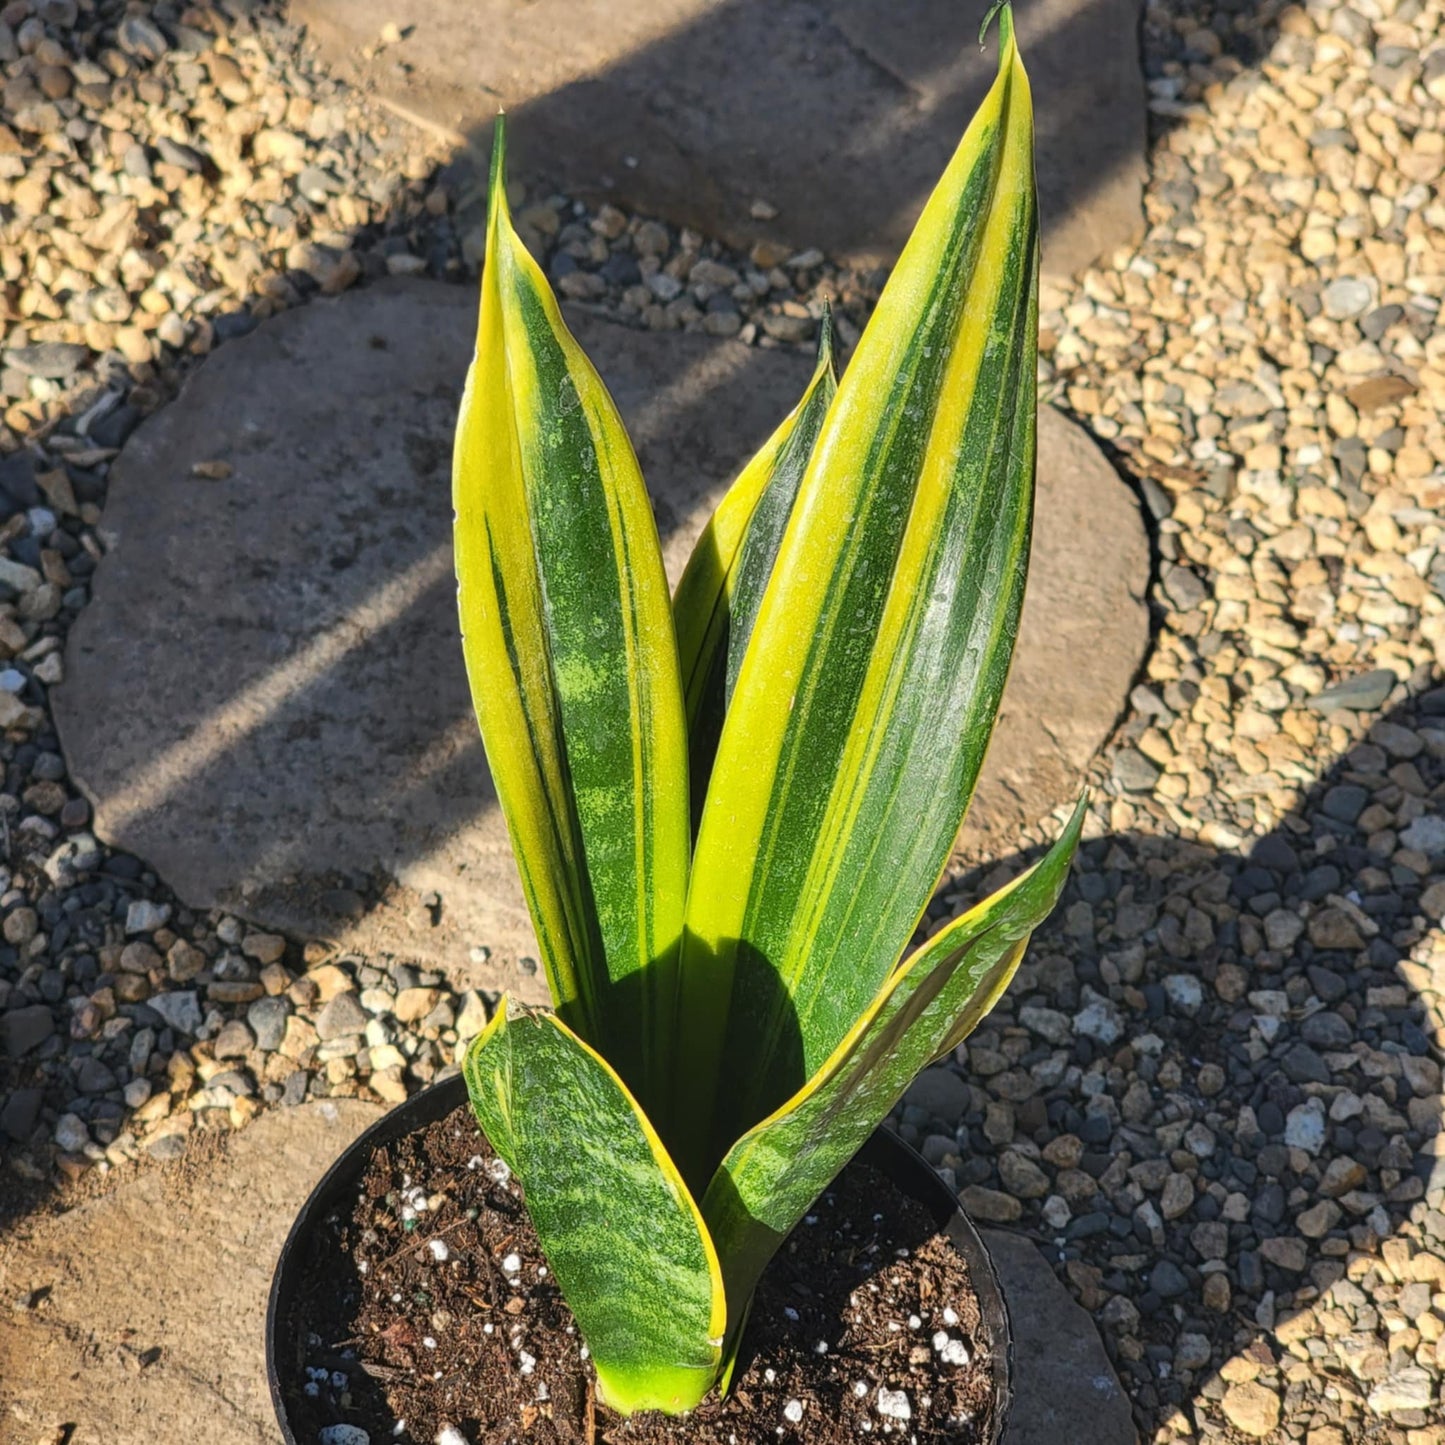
430	1304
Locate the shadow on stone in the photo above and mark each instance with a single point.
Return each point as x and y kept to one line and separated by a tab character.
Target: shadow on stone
797	124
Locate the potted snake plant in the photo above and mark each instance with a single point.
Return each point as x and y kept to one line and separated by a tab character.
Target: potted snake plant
729	808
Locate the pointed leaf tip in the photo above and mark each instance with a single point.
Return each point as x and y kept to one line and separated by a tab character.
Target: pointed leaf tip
497	175
827	360
1004	11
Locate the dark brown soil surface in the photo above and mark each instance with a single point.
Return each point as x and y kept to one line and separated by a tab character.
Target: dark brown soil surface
430	1305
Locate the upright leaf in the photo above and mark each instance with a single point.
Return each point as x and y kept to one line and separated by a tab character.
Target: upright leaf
618	1226
875	668
776	1170
569	647
722	586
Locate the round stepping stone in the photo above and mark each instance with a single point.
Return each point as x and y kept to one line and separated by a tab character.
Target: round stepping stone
266	699
785	122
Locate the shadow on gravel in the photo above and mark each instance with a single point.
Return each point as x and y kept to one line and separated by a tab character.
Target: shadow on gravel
1228	1066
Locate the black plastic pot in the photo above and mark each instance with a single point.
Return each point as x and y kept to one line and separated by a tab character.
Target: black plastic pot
884	1152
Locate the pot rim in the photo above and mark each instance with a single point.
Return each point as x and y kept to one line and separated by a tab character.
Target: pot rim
883	1150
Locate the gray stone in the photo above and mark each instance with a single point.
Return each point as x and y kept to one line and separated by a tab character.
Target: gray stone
343	1435
1021	1176
54	360
1305	1127
1282	928
1327	1030
181	1010
93	1077
1345	802
1362	693
143	916
17	576
234	1081
1183	587
1099	1019
335	736
1133	772
79	1360
1167	1280
267	1018
1185	992
1426	833
71	1133
1048	1023
139	37
1399	742
838	118
1347	296
183	157
23	1029
234	1041
1304	1066
342	1016
1064	1385
1193	1352
939	1092
1409	1389
20	1112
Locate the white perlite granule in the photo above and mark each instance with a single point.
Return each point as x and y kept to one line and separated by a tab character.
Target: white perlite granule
950	1351
893	1404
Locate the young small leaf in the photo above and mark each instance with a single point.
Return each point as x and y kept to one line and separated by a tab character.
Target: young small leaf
617	1224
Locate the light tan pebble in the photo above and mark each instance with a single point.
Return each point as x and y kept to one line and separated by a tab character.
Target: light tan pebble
1252	1408
264	948
414	1004
282	146
328	980
243	1110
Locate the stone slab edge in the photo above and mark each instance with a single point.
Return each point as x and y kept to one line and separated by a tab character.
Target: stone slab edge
1065	1388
